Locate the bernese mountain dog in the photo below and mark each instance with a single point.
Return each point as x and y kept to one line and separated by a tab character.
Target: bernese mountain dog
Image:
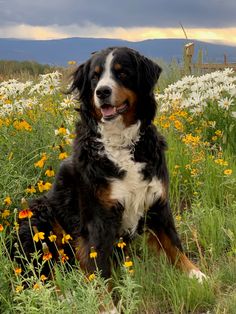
115	184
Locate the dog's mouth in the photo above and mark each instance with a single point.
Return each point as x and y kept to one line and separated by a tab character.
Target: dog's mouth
110	112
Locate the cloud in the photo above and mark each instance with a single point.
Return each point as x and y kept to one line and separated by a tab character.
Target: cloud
131	34
122	13
32	32
209	20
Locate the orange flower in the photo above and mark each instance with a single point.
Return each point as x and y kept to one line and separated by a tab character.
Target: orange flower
43	278
91	277
52	237
63	256
36	286
47	256
61	131
166	125
44	186
191	140
25	213
19	289
50	172
22	125
63	155
178	125
40	186
30	189
121	244
18	271
41	162
178	217
5	213
1	228
128	263
93	253
7	201
66	238
38	236
228	172
218	133
47	186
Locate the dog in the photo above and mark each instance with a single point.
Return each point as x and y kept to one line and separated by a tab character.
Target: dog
115	184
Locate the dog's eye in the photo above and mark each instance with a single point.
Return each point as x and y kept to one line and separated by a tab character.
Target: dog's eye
95	76
122	75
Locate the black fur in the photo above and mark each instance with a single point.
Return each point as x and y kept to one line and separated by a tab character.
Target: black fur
73	202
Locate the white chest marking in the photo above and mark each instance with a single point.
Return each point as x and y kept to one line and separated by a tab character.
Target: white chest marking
133	192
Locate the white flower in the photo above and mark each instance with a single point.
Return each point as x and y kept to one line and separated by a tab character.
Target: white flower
225	103
14	95
48	84
68	102
196	93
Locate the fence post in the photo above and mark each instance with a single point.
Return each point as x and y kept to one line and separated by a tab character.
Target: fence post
225	59
199	61
188	55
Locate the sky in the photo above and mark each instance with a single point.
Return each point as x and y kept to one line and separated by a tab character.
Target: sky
134	20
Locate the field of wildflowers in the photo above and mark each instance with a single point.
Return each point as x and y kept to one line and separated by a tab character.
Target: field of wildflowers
198	117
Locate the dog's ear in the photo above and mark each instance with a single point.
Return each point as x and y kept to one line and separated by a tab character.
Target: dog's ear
81	84
150	72
80	81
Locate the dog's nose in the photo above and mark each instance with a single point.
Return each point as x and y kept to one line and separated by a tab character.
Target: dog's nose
103	92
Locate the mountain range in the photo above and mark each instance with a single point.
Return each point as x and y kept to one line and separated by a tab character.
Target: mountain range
60	51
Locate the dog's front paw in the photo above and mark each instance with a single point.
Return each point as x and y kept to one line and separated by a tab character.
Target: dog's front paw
196	273
111	311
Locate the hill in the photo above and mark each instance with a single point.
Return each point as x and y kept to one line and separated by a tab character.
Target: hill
60	51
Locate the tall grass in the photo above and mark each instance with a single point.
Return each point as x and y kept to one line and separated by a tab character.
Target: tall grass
24	70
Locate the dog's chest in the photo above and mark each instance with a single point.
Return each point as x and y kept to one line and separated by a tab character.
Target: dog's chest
133	192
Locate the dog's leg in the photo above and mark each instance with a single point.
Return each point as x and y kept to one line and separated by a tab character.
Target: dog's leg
163	236
99	240
94	251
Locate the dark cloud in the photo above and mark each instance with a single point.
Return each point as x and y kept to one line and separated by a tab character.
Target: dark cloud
124	13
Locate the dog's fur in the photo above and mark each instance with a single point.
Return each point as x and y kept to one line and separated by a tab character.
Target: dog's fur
116	180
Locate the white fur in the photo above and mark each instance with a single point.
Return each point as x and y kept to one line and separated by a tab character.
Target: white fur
196	273
107	80
112	311
133	192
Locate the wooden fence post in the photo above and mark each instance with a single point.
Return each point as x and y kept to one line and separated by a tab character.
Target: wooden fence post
199	61
188	55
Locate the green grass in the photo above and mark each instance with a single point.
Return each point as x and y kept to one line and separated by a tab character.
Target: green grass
203	201
22	69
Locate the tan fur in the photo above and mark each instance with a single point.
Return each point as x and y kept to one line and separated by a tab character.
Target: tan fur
162	242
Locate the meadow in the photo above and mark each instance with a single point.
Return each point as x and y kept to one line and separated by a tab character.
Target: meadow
197	115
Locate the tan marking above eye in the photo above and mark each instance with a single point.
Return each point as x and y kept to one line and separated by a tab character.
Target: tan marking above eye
117	67
97	69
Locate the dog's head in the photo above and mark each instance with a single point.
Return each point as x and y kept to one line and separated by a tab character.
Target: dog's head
117	82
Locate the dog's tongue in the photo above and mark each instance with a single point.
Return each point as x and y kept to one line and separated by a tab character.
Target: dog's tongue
108	110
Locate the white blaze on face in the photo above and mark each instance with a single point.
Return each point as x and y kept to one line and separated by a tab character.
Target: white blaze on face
106	80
